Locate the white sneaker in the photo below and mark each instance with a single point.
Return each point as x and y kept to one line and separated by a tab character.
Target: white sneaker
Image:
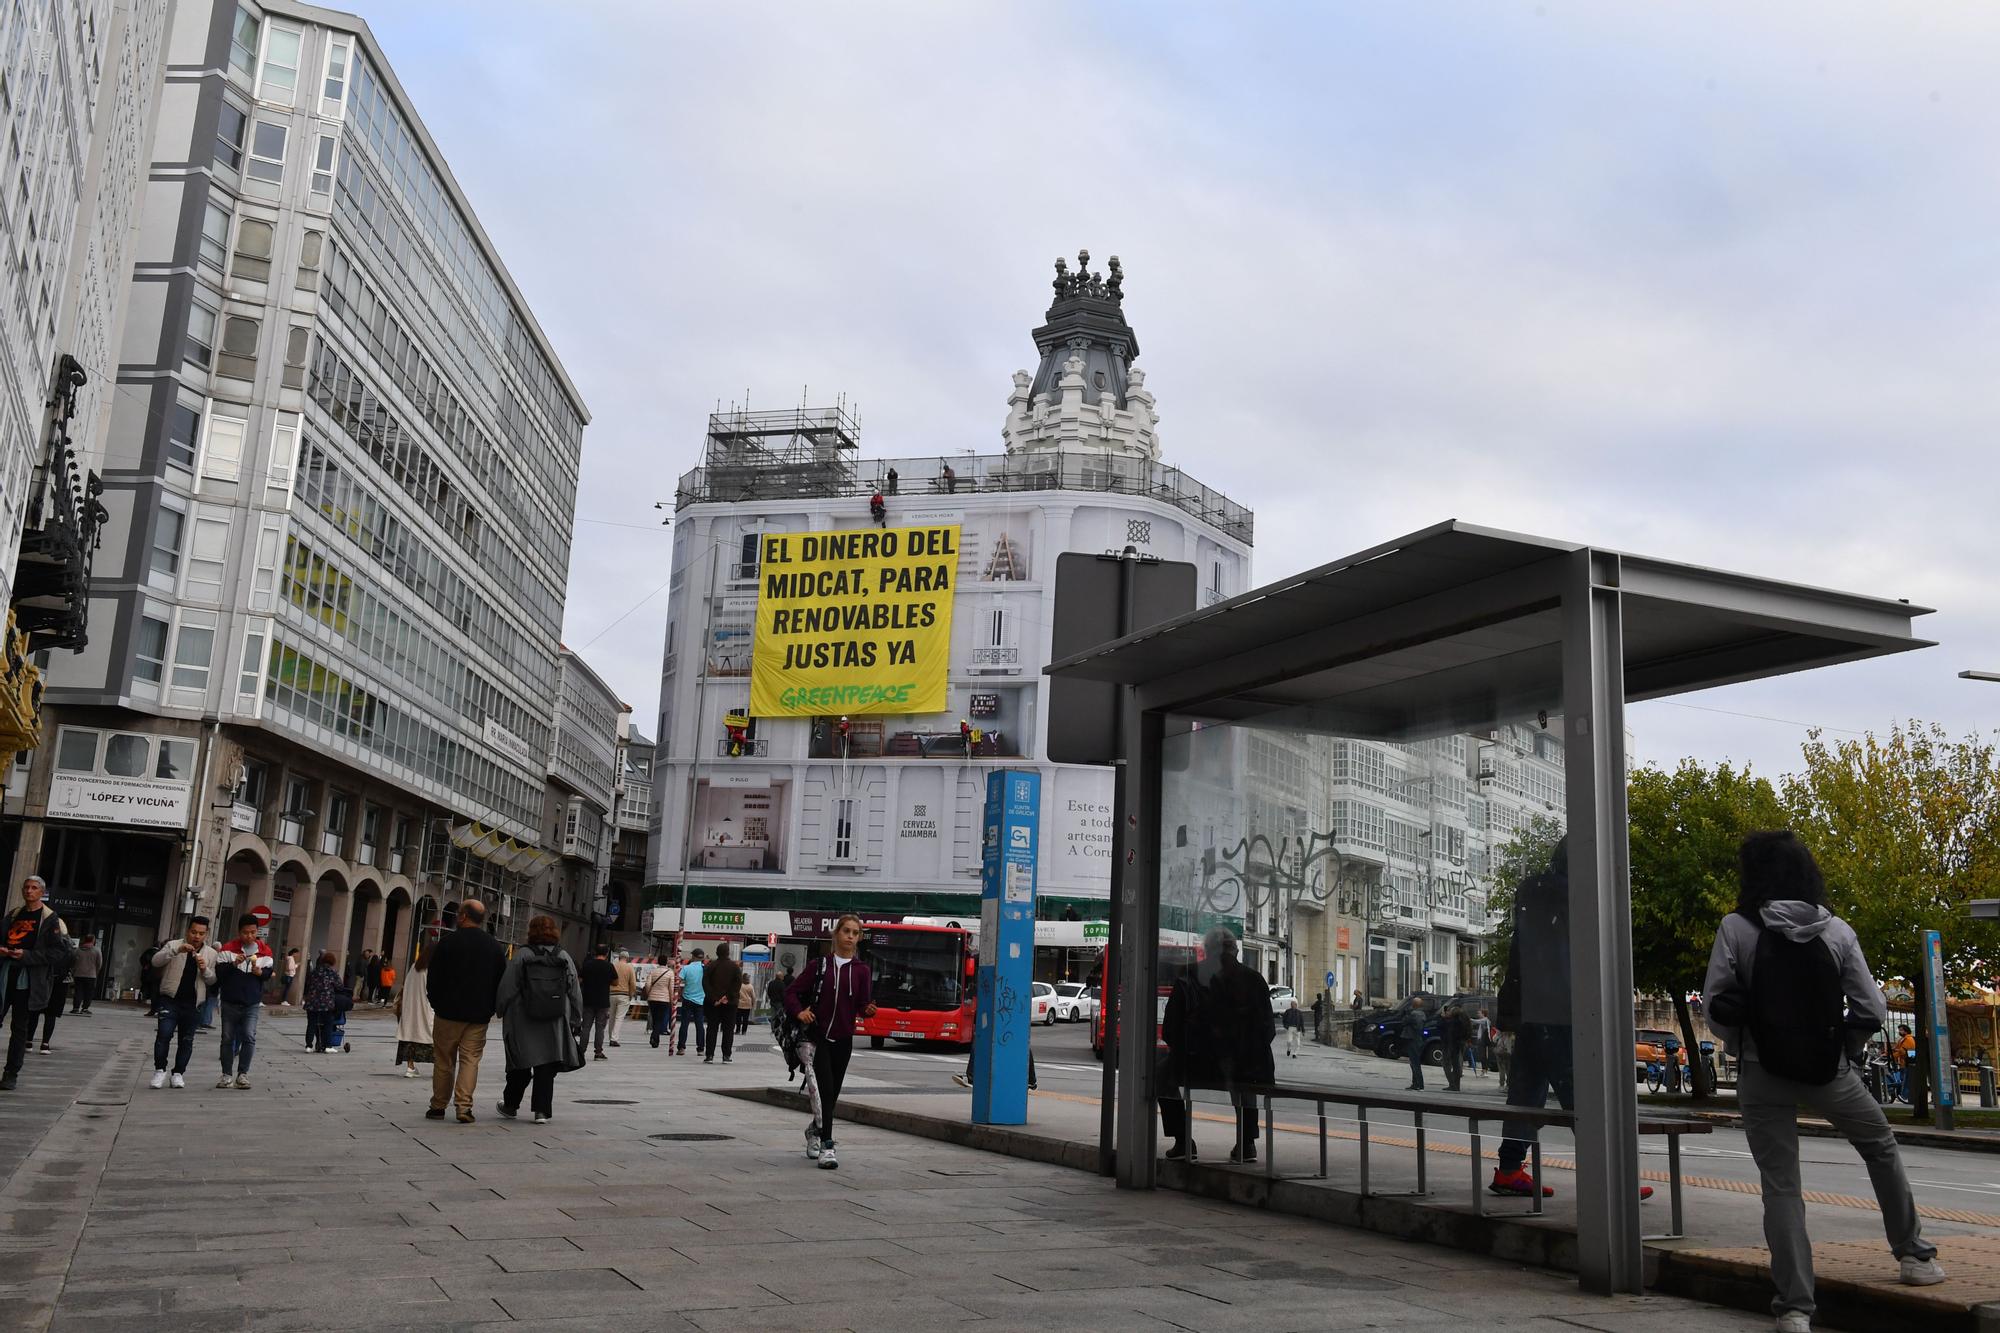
1793	1321
226	1081
813	1149
827	1161
159	1079
409	1072
961	1080
178	1081
1922	1273
242	1082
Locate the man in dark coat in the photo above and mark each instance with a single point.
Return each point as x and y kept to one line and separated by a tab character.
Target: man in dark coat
723	980
1454	1029
463	984
1218	1029
31	944
1412	1033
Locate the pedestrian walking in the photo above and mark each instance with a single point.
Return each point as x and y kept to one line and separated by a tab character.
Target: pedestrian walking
541	1020
1790	993
1218	1028
774	1000
414	1017
662	989
826	998
291	978
376	963
596	977
1412	1033
723	979
241	967
463	985
187	970
33	943
693	1004
1358	1002
60	967
1503	1055
1455	1029
746	1004
88	967
624	991
1295	1029
1481	1049
324	989
385	993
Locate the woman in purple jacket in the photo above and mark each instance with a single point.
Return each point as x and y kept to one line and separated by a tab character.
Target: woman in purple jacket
834	990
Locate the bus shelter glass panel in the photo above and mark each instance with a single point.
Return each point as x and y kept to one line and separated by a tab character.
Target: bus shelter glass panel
1364	947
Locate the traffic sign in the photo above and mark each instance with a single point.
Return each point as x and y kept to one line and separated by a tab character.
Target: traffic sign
771	940
1329	981
262	913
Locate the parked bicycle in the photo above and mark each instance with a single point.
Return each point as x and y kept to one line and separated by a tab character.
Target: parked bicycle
1665	1072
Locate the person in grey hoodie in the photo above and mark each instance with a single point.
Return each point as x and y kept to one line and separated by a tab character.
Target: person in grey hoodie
1780	889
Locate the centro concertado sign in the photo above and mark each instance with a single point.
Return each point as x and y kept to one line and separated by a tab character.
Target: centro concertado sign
857	621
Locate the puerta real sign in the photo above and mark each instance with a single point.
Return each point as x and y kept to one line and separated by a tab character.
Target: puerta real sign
1006	947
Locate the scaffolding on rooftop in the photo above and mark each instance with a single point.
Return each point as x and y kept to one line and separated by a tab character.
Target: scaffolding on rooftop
787	451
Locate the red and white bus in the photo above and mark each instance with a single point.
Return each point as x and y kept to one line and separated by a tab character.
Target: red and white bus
923	983
1178	952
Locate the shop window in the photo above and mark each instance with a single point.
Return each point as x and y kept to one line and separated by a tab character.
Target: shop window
176	760
125	755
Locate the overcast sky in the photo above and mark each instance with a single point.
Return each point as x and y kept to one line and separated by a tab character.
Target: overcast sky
1709	282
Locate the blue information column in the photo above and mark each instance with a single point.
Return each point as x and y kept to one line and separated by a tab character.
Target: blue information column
1006	948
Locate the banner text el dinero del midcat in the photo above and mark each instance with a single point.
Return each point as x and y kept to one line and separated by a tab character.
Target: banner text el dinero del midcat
857	621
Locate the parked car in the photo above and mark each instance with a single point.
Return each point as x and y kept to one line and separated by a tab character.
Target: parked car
1387	1028
1043	1003
1281	999
1075	1002
1379	1030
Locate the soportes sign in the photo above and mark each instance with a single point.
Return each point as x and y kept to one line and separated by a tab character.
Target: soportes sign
146	802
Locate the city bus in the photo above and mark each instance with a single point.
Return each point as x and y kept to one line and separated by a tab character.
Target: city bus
923	983
1178	952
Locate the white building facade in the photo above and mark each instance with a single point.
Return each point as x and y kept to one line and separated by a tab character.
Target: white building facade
764	821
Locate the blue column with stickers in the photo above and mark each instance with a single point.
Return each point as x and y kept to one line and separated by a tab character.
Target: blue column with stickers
1009	850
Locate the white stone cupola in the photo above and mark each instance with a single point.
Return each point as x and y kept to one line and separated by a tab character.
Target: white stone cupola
1086	396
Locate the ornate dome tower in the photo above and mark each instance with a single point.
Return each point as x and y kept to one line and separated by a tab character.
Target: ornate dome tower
1086	395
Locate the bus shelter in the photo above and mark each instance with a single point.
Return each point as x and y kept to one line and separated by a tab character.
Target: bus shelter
1452	687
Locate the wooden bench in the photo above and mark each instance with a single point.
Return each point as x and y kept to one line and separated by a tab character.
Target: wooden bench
1417	1105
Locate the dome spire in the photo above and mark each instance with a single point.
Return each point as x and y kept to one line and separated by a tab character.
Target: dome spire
1085	393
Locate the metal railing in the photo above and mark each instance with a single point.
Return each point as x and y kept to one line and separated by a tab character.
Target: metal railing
926	479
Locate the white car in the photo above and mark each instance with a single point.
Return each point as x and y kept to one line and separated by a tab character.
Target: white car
1044	1002
1074	1002
1281	999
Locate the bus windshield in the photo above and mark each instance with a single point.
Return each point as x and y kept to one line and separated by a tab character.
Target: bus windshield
917	969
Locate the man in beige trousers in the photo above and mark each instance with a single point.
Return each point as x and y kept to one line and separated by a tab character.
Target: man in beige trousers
463	982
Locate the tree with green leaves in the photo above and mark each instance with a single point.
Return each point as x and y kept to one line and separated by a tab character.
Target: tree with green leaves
1907	832
1684	828
1526	853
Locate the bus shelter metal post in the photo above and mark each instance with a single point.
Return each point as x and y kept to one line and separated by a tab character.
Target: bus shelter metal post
1609	1248
1109	986
1143	733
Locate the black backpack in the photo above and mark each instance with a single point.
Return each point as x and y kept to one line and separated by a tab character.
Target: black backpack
1797	1008
544	987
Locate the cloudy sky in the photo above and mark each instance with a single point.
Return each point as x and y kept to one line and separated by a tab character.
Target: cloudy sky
1718	283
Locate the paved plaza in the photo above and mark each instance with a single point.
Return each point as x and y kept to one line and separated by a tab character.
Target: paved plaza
323	1199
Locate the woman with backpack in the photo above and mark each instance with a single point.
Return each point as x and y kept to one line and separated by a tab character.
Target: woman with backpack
540	1004
1790	994
835	989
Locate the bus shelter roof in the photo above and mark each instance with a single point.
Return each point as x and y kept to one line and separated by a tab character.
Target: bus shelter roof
1455	625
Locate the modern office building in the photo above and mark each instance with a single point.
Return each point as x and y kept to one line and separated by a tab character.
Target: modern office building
619	914
341	468
79	87
582	797
771	822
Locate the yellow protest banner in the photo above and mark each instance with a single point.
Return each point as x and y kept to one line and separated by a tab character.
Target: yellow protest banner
857	621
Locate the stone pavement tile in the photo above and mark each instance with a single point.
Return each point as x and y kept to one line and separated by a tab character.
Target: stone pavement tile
69	1321
1077	1270
360	1237
689	1289
582	1285
738	1250
635	1229
1972	1263
916	1314
1700	1319
624	1258
610	1307
994	1242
